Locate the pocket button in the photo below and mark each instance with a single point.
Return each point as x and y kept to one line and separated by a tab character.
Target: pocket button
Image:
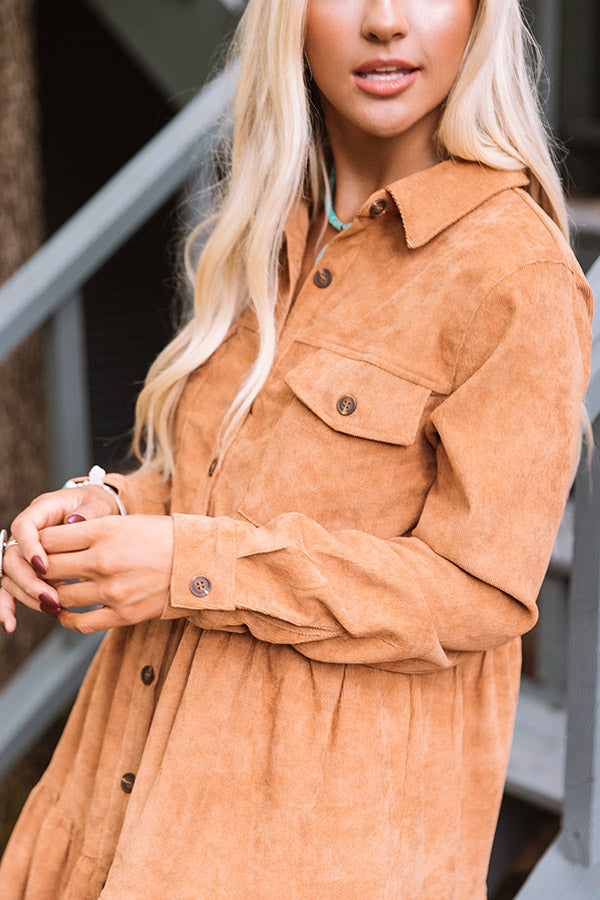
346	405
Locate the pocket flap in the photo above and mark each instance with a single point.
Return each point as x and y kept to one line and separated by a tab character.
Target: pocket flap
358	397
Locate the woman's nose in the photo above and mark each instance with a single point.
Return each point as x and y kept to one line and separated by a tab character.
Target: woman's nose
384	20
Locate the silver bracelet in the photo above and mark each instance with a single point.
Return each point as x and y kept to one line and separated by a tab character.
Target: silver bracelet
96	477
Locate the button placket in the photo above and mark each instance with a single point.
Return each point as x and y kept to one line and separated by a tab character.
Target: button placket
147	675
323	278
127	782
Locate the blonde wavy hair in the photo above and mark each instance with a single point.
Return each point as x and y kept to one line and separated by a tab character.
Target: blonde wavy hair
277	151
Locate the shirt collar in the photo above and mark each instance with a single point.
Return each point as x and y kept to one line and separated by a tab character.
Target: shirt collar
435	198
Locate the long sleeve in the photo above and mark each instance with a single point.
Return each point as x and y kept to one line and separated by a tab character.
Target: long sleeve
467	577
143	491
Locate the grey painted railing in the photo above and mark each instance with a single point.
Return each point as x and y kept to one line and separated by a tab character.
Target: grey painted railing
47	290
571	867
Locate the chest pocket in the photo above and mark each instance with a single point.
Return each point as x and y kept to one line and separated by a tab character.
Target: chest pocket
347	449
359	398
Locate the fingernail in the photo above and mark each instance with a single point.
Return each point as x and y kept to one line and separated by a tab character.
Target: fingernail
50	610
38	565
47	600
75	518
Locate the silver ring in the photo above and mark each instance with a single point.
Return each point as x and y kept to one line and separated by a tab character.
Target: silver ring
4	545
3	536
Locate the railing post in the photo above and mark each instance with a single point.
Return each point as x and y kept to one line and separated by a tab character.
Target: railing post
580	837
67	393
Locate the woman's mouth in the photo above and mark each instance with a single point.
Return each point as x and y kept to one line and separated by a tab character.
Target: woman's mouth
385	78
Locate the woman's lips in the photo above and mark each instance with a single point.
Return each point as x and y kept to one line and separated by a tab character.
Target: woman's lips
384	79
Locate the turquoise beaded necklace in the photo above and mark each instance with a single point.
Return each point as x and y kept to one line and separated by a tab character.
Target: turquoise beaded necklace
330	212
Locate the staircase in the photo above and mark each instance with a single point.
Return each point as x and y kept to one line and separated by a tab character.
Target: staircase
181	48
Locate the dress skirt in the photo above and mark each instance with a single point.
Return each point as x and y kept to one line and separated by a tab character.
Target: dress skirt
199	765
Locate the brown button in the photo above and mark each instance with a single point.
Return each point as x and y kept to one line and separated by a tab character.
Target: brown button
127	782
346	405
148	675
200	585
213	466
323	278
378	207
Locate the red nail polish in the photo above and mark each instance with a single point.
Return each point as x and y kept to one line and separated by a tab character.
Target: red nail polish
75	518
47	600
50	610
38	565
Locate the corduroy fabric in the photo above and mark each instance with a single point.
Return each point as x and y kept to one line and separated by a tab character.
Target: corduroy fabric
333	719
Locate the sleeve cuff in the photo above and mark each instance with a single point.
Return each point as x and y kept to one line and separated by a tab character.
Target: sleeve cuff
142	493
203	573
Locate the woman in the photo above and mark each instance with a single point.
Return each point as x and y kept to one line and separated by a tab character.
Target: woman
355	460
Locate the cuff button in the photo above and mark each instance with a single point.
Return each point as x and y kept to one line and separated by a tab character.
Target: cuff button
200	585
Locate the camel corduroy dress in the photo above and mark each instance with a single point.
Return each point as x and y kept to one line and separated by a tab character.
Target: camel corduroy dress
325	709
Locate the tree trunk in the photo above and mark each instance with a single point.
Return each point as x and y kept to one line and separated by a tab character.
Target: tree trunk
23	463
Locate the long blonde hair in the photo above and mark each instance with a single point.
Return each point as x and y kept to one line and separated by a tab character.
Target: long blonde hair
277	151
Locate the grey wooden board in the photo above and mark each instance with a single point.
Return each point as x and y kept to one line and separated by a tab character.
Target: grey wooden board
176	42
593	276
537	758
549	636
40	689
562	552
65	262
581	821
557	878
592	399
67	393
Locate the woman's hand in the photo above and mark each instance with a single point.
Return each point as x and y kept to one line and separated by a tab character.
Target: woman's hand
121	563
26	565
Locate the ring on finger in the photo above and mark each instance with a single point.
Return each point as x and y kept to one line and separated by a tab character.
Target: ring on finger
4	545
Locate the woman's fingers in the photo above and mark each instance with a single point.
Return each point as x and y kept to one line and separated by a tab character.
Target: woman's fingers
46	602
78	594
89	622
7	611
20	573
62	539
56	508
48	509
69	566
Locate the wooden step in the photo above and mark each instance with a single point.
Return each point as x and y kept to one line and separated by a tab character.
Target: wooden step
537	760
